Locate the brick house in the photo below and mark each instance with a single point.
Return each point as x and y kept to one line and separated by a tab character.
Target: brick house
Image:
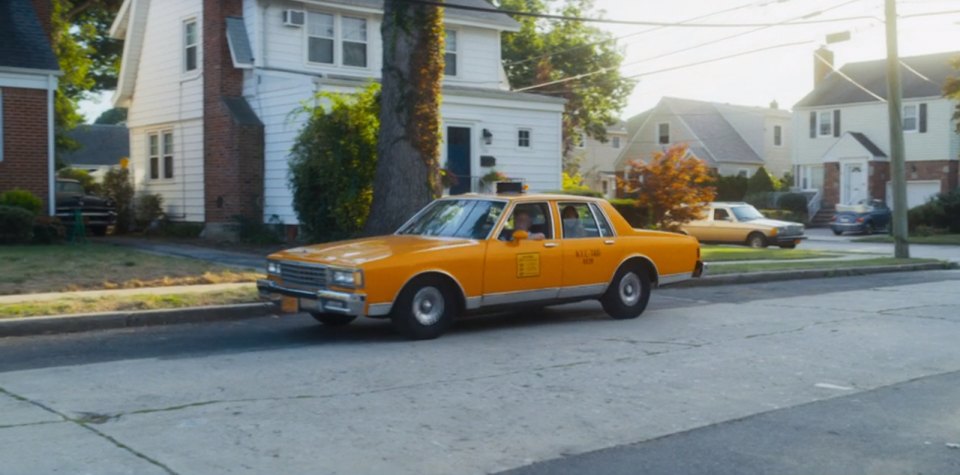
28	79
842	138
210	87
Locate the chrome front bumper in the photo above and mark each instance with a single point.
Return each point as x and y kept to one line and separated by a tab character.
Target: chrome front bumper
327	301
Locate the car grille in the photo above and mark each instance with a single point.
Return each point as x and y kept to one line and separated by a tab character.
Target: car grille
793	230
306	275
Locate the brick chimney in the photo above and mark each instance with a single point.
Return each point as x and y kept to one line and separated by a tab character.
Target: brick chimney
822	64
232	135
44	11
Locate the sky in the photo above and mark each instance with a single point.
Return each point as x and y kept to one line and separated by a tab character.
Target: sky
784	74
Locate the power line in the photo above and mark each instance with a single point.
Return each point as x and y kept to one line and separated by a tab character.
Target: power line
549	16
628	35
682	50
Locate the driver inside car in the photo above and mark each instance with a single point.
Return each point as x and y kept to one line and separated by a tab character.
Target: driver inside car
522	221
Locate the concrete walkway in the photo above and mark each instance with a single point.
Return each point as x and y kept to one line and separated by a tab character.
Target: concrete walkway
96	294
239	259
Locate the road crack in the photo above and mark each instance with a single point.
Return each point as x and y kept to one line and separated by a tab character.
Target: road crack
85	422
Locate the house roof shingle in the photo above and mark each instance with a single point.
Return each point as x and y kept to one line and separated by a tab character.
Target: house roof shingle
834	89
719	137
99	145
23	42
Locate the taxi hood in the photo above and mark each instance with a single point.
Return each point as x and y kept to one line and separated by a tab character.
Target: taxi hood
357	252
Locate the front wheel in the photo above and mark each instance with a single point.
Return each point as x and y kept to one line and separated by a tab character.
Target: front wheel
628	294
757	240
788	246
333	319
868	229
424	310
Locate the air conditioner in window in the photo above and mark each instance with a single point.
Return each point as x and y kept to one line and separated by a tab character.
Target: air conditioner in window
294	18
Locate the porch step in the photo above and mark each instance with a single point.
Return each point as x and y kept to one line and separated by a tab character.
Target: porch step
822	218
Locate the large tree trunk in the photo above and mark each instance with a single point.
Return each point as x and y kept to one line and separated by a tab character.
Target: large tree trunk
407	174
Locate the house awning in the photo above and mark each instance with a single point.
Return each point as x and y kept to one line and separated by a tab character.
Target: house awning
239	43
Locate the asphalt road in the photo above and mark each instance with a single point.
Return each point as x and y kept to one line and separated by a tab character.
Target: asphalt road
844	375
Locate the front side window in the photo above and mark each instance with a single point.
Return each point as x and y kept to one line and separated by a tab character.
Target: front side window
663	134
910	118
523	138
825	121
153	154
578	221
191	45
534	218
450	54
320	38
354	42
470	219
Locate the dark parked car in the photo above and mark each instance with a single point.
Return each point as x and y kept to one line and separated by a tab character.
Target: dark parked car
866	218
98	212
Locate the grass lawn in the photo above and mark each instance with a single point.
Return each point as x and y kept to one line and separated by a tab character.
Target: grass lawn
941	239
725	253
827	265
126	303
57	268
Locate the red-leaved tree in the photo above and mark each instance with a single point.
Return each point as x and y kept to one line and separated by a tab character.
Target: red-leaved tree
673	187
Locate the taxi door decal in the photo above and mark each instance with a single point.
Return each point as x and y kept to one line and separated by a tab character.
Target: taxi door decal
528	265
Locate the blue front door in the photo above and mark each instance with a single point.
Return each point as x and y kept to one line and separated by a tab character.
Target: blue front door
458	158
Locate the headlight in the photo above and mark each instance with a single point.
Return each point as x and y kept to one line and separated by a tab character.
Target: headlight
273	267
346	278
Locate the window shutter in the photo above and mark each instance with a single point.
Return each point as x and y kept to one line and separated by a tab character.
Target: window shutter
836	122
923	118
813	124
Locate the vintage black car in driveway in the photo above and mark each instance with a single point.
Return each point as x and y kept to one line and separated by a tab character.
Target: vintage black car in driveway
98	213
866	218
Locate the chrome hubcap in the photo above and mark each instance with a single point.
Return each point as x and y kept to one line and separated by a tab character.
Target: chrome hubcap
630	289
428	305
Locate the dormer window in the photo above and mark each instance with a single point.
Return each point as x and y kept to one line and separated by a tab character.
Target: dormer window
191	46
450	54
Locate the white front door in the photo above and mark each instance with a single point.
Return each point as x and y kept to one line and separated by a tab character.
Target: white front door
853	179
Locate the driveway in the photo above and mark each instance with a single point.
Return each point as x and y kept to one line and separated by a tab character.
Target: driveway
823	239
284	395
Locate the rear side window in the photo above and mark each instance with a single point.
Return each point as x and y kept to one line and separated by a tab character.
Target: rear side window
605	229
578	221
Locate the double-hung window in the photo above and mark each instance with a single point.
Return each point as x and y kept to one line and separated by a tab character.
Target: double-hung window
663	133
523	138
777	136
450	54
320	37
616	142
354	41
154	156
168	154
825	123
910	118
160	154
191	46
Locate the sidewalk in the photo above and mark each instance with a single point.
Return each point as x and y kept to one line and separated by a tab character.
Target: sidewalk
244	260
95	294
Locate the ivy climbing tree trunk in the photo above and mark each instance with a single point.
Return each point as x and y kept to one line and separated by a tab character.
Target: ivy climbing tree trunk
408	175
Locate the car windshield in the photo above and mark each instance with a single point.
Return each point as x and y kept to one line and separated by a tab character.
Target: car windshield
69	187
746	213
471	219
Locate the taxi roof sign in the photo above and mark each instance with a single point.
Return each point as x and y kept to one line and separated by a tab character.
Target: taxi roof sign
509	187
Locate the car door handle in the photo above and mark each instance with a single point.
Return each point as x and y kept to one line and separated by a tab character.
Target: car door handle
549	244
608	242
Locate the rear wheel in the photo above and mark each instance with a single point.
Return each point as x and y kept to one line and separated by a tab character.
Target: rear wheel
757	240
837	232
425	309
628	294
867	229
333	319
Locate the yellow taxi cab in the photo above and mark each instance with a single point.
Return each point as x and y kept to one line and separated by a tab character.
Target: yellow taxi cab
469	253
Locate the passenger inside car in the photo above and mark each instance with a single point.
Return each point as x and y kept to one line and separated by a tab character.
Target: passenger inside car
572	227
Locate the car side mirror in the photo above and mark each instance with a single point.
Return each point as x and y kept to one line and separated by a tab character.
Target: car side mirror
520	235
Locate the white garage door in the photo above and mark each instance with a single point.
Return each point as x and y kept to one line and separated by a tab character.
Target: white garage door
918	192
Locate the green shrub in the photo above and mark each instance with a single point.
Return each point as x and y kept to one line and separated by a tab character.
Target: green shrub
730	188
930	214
20	198
118	187
796	202
761	200
760	182
637	217
90	185
47	230
178	229
950	202
333	162
16	225
149	208
254	231
784	215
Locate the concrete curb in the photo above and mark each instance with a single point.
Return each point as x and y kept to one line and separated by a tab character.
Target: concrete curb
759	277
143	318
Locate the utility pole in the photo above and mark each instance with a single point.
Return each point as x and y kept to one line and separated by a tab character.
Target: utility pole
894	99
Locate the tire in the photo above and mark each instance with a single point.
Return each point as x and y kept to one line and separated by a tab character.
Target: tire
425	309
757	240
867	229
333	319
628	293
837	233
98	230
788	246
